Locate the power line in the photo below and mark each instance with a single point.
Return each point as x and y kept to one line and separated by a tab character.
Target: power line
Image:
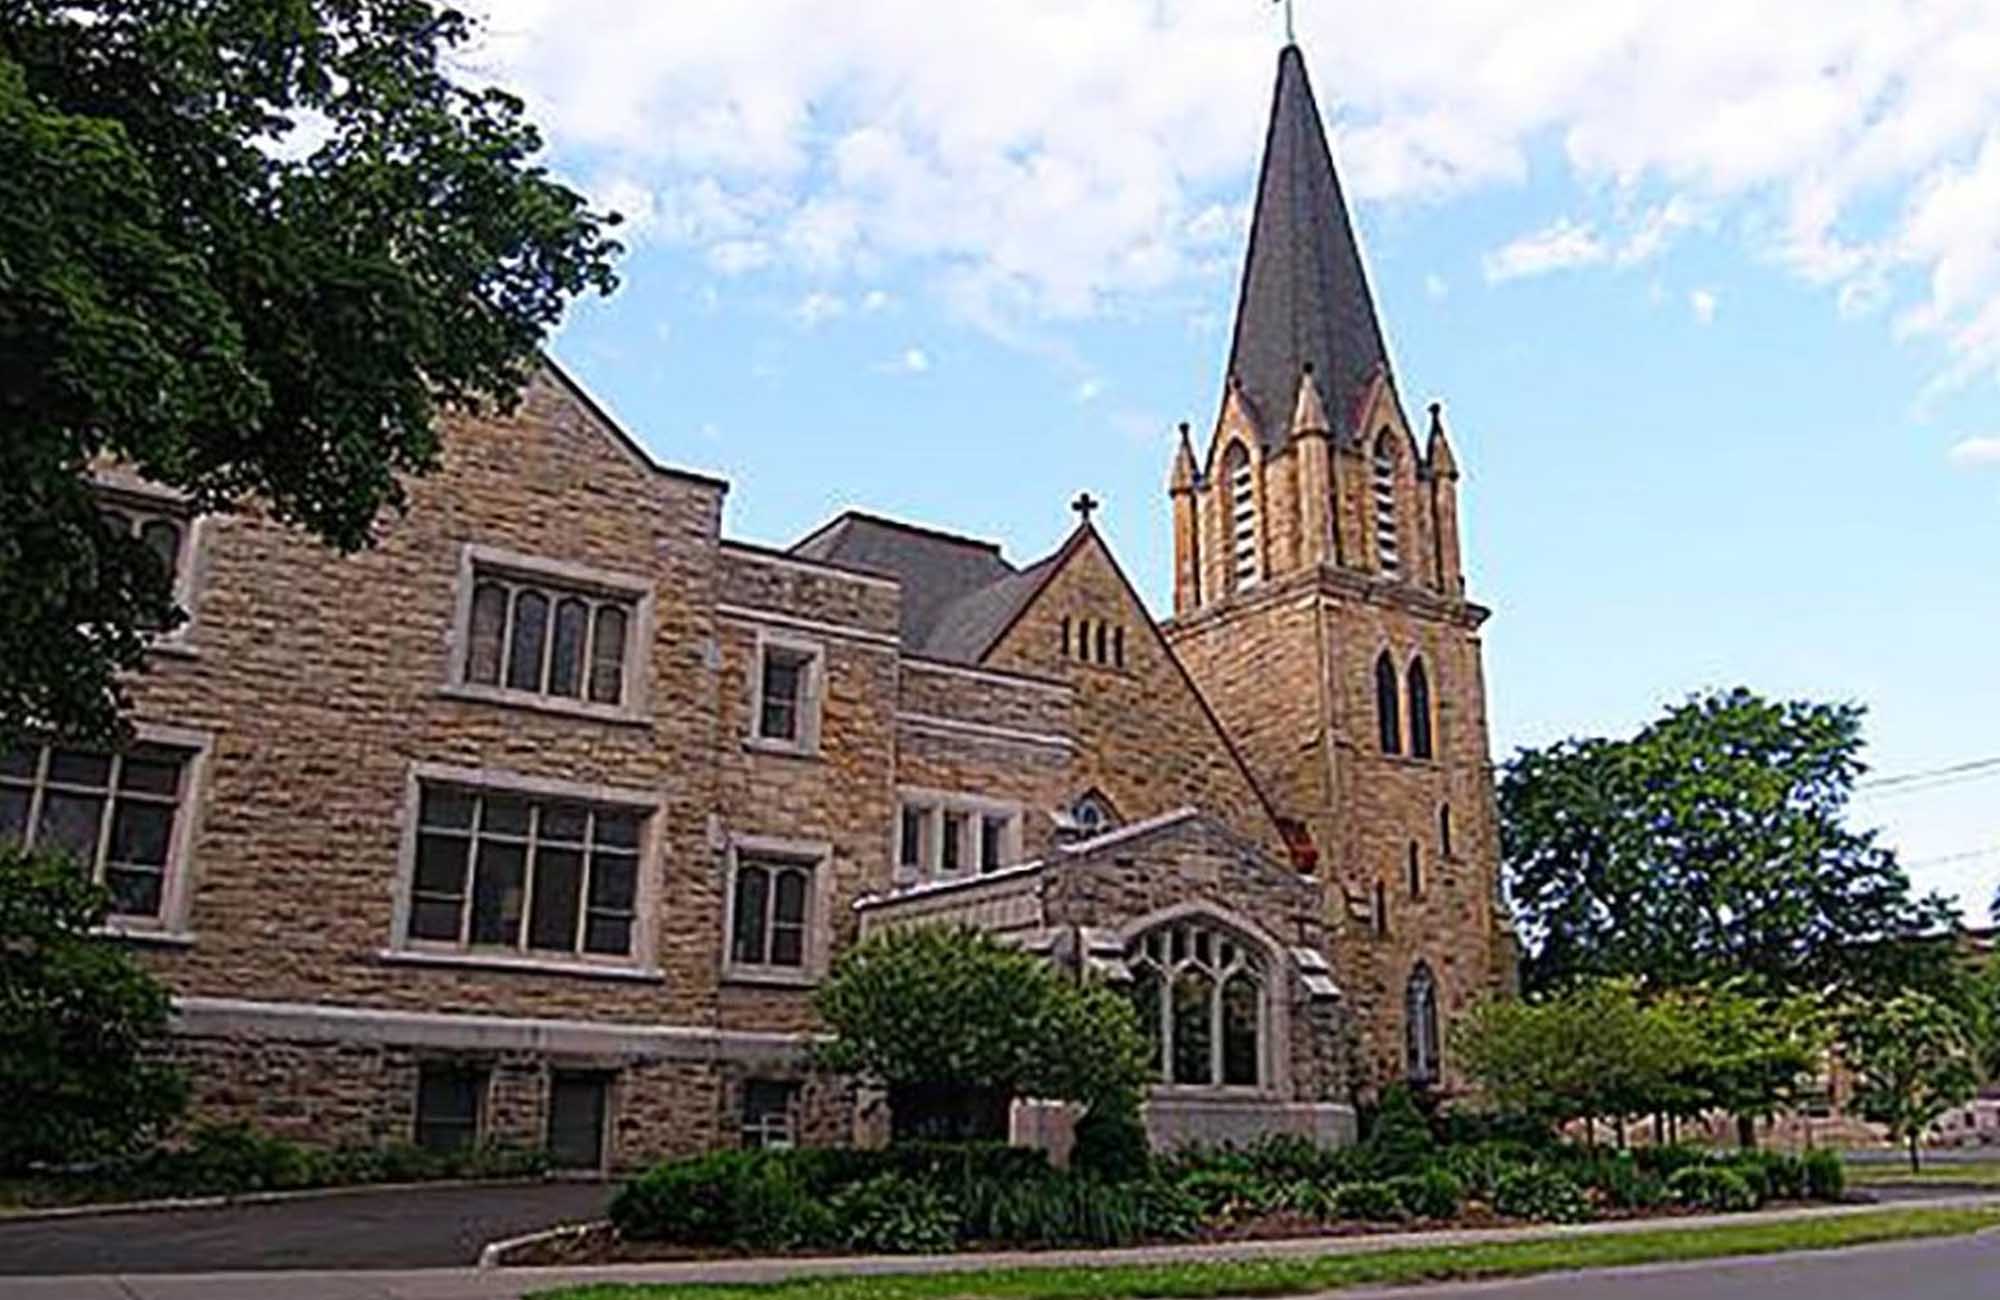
1968	856
1955	772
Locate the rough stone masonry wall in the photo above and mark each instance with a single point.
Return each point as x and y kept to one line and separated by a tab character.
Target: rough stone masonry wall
841	793
321	678
1199	862
1144	737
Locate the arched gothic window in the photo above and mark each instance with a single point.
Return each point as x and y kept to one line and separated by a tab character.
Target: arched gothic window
1388	707
1093	813
1420	1026
1237	474
1420	710
1382	481
1200	991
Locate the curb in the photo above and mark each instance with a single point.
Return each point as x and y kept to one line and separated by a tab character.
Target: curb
493	1255
107	1208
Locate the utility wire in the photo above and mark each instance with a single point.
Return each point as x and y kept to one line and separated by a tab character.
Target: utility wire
1968	856
1955	772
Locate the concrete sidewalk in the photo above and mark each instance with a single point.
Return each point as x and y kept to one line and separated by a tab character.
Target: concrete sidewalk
510	1284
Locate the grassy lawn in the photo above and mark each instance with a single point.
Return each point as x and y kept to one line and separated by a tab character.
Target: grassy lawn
1279	1277
1983	1173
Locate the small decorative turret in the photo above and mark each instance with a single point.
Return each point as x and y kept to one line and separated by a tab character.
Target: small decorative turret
1184	476
1437	448
1308	412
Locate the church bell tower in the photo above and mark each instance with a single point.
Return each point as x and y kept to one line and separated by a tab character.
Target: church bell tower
1320	607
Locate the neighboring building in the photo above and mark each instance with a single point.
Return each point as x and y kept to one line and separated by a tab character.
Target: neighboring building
538	821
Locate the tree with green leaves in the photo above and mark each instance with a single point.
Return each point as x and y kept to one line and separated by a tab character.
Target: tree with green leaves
252	250
957	1025
80	1024
1753	1055
1713	844
1910	1063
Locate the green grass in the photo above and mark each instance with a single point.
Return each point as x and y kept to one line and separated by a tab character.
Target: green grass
1984	1173
1297	1276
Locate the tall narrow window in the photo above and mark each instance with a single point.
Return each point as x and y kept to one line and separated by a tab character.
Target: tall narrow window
1444	830
1420	710
770	909
1381	910
1422	1042
1242	517
1382	483
448	1106
1103	641
787	713
1065	638
1416	871
1118	646
1388	706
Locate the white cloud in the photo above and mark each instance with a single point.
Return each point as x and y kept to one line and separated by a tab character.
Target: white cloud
1435	286
736	256
875	300
1975	453
817	308
1088	390
910	361
1702	302
1555	247
1096	151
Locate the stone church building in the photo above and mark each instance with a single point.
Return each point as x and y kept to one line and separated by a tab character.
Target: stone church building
538	822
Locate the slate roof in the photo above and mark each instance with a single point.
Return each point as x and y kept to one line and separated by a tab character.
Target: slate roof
1304	297
959	594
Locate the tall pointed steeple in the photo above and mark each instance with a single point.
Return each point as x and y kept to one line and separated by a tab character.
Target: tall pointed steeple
1305	297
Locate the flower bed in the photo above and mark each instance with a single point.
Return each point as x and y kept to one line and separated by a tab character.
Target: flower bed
933	1199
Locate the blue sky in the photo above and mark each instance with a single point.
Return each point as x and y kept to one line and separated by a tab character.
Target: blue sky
1712	299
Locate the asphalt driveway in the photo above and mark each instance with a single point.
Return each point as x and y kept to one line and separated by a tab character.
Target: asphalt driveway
440	1227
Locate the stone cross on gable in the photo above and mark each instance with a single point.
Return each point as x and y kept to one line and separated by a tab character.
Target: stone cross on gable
1084	505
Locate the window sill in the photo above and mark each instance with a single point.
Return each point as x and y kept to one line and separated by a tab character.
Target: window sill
780	748
174	648
770	977
143	935
521	965
618	715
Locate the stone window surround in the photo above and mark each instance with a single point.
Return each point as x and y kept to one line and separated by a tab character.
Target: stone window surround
640	964
177	896
817	854
1275	1065
939	802
190	566
635	704
812	707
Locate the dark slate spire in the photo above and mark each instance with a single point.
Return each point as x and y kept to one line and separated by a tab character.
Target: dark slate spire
1304	299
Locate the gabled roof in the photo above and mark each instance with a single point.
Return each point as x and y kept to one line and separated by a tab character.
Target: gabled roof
1304	297
951	585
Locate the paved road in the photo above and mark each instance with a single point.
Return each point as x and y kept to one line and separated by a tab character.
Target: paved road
1960	1268
424	1228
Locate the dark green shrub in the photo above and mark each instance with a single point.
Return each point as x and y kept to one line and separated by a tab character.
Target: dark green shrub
1111	1144
1667	1161
726	1198
893	1215
1167	1212
1711	1187
1773	1175
1371	1202
1540	1193
1400	1141
1225	1194
826	1170
1629	1187
1432	1194
1460	1128
1056	1210
1826	1176
1481	1167
1305	1197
